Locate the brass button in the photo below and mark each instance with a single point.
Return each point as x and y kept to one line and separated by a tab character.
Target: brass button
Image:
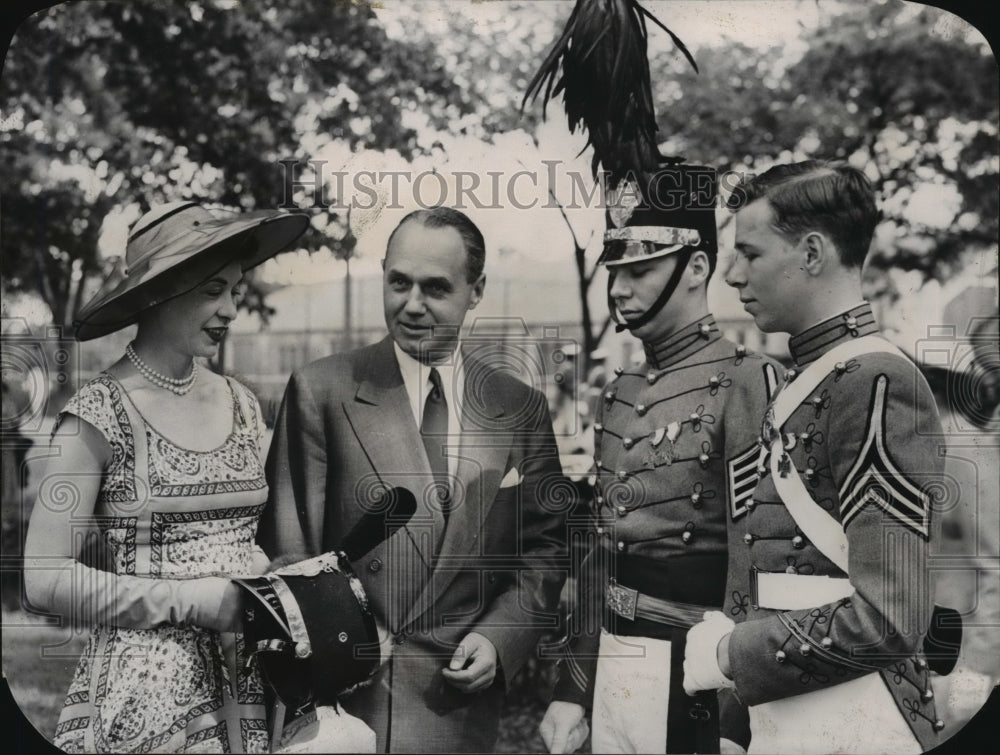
805	648
687	537
798	542
780	656
748	539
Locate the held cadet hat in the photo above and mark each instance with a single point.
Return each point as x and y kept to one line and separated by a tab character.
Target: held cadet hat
309	625
310	629
175	247
653	215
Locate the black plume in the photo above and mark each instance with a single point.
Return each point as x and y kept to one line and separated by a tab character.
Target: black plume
605	83
396	508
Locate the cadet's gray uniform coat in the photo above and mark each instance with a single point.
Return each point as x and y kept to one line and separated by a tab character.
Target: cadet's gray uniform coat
866	443
676	442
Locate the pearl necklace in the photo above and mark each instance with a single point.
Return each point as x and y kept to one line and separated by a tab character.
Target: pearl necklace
180	386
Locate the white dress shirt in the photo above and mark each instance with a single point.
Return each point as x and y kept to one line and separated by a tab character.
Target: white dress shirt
417	381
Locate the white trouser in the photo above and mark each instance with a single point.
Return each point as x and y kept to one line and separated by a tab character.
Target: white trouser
631	690
859	716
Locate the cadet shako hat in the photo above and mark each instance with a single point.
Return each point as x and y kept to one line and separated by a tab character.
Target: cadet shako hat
177	246
309	626
653	215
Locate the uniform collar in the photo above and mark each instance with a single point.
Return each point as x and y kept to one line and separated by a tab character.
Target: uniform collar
685	342
811	344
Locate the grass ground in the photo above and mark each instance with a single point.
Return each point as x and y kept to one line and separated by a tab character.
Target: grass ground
38	663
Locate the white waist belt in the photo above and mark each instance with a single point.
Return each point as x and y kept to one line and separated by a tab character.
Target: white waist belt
789	592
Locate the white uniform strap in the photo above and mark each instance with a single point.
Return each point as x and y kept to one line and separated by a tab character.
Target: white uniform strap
794	393
823	531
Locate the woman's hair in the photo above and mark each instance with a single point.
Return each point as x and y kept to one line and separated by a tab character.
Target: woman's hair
814	195
446	217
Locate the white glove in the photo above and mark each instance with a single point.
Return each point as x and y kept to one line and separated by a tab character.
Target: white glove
701	661
564	727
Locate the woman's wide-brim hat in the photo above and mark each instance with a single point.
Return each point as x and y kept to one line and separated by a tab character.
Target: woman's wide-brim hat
175	247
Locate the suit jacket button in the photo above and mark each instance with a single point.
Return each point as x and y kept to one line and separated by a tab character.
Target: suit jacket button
374	565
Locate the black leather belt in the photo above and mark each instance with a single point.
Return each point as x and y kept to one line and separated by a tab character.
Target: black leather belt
697	578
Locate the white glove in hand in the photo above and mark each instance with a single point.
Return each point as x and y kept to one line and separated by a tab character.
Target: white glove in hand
564	727
701	662
729	747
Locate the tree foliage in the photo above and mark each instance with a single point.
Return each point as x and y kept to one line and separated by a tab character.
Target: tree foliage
106	103
895	88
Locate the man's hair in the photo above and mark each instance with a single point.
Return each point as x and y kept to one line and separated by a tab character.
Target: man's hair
446	217
814	195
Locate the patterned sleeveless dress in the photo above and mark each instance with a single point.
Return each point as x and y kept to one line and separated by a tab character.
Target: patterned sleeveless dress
171	513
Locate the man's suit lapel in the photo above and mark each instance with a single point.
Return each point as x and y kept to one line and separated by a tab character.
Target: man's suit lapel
382	420
481	465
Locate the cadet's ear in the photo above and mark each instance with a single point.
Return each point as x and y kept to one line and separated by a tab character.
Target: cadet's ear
819	252
697	269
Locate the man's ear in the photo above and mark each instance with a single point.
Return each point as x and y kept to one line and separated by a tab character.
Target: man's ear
383	264
477	290
819	252
697	269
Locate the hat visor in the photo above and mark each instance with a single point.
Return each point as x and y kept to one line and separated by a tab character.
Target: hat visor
250	239
643	251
